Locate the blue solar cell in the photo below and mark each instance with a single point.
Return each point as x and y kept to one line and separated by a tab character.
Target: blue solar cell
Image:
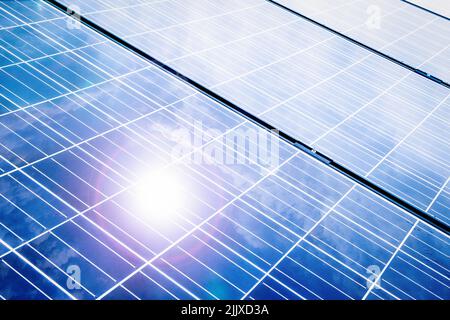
411	271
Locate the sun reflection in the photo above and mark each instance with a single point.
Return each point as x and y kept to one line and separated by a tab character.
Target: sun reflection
159	195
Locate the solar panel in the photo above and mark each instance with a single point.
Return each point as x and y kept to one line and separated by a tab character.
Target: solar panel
396	28
97	142
329	93
439	7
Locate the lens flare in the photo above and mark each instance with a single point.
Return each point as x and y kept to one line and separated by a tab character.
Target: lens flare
159	196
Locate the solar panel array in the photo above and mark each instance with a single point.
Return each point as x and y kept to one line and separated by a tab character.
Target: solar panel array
341	93
439	7
396	28
84	122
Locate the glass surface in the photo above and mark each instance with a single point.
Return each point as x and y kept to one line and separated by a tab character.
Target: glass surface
371	115
115	171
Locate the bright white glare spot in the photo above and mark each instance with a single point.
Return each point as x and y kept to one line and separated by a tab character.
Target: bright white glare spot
159	196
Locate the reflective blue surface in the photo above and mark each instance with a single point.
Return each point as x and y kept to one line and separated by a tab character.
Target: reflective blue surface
404	32
436	6
112	184
363	111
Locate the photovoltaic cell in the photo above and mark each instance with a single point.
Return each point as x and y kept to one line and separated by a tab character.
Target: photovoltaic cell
75	151
369	114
